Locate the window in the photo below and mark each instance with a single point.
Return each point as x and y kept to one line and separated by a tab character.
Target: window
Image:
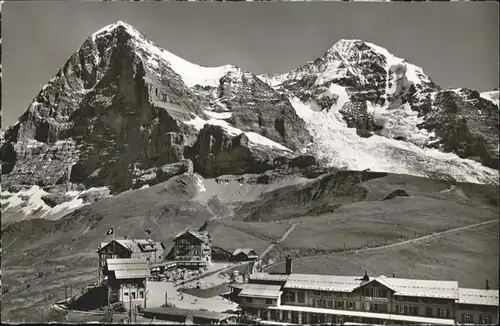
467	318
141	295
329	319
351	305
289	297
329	303
269	301
428	311
133	295
318	293
340	304
248	299
443	313
301	297
485	319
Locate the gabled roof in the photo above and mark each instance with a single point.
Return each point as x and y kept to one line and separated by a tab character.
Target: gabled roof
201	235
268	277
322	282
424	288
382	280
246	251
478	297
126	268
130	274
136	245
126	263
400	286
261	291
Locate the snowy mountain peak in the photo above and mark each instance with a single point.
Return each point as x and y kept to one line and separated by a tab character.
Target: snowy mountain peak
111	27
152	54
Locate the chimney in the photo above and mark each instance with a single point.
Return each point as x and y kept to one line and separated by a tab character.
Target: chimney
393	275
487	284
125	237
288	265
366	278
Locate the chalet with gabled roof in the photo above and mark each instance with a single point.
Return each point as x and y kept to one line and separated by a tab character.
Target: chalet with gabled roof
148	250
192	246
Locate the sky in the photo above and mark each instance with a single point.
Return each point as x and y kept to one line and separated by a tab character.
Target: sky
455	43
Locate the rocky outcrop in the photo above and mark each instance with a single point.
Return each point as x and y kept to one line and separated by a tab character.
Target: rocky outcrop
215	153
102	117
356	115
257	107
465	124
396	193
123	113
162	173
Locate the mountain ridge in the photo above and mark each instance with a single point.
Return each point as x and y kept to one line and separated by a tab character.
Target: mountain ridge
123	113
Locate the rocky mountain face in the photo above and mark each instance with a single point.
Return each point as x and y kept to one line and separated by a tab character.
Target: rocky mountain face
123	114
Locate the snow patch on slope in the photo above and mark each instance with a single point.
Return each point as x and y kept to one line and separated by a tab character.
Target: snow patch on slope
29	201
337	90
218	115
400	122
492	96
190	73
254	138
413	73
337	145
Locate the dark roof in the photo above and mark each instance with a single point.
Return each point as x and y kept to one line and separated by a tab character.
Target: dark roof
246	251
167	311
201	235
136	245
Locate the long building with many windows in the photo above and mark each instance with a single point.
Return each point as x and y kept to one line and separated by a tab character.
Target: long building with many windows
318	299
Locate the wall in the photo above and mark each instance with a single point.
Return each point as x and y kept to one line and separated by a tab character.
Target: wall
476	311
423	303
258	303
330	300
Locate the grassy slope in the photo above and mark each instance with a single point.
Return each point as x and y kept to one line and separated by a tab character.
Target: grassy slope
172	206
468	256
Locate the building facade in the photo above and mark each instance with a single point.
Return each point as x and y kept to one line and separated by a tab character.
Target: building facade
192	246
127	281
244	254
132	249
317	299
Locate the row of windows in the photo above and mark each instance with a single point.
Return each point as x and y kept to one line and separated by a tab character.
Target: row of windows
322	318
469	318
132	295
268	301
336	304
374	307
375	292
332	294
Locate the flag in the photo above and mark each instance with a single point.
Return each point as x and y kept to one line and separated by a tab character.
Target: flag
110	231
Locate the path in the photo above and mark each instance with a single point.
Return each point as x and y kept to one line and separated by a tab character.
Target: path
396	244
283	238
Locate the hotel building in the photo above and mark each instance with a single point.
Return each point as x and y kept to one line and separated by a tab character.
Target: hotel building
323	299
